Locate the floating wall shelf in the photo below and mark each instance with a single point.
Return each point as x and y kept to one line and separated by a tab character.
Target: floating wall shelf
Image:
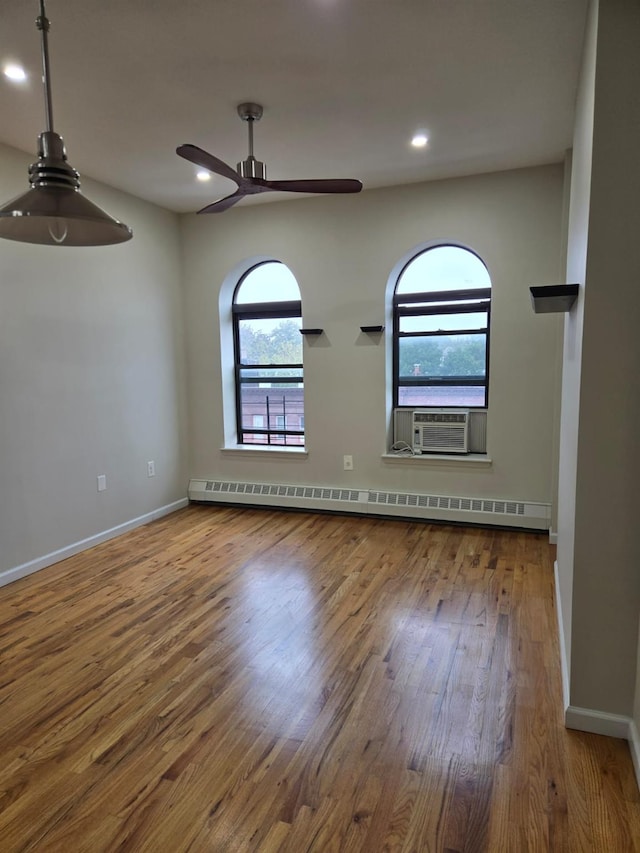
553	297
372	328
311	331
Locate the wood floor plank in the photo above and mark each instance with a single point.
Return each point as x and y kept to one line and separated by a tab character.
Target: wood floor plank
240	681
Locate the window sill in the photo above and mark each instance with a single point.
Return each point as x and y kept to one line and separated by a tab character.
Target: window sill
480	459
261	450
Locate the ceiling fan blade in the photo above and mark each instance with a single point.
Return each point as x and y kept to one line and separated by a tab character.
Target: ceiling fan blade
224	203
202	158
320	185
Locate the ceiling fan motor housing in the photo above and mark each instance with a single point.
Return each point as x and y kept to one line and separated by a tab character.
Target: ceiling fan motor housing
252	168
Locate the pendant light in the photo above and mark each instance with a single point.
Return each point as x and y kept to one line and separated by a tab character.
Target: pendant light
53	211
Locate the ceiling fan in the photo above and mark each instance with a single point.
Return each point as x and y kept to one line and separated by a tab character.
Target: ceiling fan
250	176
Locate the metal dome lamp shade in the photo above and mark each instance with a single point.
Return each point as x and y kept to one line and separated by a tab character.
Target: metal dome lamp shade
53	211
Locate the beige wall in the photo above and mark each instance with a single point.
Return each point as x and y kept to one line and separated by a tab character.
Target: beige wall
599	550
92	378
606	597
578	229
343	252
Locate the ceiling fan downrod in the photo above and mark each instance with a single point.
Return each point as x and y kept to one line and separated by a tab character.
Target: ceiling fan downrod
251	168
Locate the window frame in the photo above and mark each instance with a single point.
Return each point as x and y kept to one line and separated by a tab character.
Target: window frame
262	311
429	303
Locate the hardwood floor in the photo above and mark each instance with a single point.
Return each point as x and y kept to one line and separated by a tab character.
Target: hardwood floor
246	680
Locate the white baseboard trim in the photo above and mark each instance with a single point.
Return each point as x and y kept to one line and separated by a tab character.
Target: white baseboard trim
29	568
564	663
553	537
634	747
598	722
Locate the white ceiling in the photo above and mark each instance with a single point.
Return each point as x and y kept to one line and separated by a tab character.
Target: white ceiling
344	84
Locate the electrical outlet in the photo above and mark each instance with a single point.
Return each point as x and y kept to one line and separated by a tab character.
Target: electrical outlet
151	469
348	463
102	482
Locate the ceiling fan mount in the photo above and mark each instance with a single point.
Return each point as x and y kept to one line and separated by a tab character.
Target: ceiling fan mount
250	111
250	175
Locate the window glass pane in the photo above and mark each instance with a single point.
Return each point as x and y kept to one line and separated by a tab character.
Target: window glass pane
255	438
443	395
270	341
270	282
277	439
446	355
443	322
443	268
278	407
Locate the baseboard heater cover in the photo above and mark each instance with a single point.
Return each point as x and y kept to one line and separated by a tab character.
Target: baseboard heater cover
532	515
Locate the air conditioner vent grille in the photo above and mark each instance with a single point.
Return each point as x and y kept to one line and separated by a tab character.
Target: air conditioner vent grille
440	417
451	438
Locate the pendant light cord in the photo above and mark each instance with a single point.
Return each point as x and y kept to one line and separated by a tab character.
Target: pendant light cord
42	23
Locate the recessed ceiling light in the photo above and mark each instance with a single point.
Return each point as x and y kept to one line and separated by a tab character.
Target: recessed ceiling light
420	140
15	73
203	175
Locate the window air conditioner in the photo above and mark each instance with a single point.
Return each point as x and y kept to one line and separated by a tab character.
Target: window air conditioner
440	432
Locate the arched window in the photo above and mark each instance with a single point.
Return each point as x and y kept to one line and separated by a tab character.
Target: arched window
441	320
267	316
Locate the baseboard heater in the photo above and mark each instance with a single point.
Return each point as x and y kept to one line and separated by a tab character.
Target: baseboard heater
487	511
